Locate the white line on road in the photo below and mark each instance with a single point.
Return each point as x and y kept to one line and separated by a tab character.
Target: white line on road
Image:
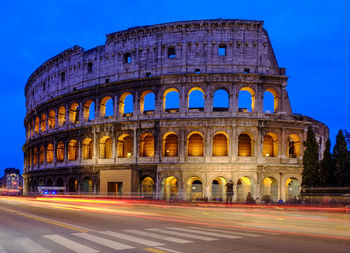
161	237
226	231
132	238
199	237
205	233
168	250
30	246
105	242
74	246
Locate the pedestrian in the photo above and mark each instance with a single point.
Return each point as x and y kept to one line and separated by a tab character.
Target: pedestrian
229	192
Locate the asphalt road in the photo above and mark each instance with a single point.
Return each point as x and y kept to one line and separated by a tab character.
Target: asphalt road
78	225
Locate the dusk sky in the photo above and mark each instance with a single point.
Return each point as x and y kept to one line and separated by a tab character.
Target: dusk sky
310	39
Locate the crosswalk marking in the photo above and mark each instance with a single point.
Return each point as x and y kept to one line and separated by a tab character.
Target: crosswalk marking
206	233
67	243
132	238
227	232
161	237
105	242
30	246
199	237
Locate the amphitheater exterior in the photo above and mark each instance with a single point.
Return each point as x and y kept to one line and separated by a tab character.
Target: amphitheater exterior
88	128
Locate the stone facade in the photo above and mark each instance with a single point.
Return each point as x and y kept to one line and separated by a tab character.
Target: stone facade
126	152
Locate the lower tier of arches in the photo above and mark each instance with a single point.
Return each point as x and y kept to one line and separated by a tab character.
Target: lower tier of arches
173	183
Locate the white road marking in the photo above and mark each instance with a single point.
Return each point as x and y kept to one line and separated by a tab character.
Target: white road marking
205	233
199	237
132	238
161	237
30	246
105	242
74	246
168	250
226	231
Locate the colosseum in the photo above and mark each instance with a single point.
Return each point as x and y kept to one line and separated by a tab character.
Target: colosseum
158	111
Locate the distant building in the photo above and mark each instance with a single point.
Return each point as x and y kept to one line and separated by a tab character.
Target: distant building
12	180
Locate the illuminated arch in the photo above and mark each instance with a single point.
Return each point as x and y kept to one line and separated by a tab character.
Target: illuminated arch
221	100
195	144
147	186
52	119
36	125
35	156
49	153
220	144
218	189
61	115
270	145
87	148
170	144
245	185
89	107
41	154
293	146
194	96
60	152
125	146
252	96
105	147
146	98
123	102
245	145
146	145
43	122
170	187
72	150
74	113
194	188
106	107
270	188
292	188
166	102
275	98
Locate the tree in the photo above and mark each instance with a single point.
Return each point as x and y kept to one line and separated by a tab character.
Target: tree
311	172
341	160
327	168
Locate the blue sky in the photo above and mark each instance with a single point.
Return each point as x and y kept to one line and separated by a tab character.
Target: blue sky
310	39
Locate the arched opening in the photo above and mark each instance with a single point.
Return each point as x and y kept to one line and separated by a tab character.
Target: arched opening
220	144
244	145
32	127
147	187
170	144
169	186
246	100
106	107
72	185
105	147
270	146
147	102
125	146
87	185
72	150
269	189
218	189
30	157
292	188
35	156
74	113
52	119
59	182
146	145
49	182
171	100
41	154
126	104
60	152
271	100
61	115
196	99
195	144
195	188
245	187
89	110
36	125
293	149
49	153
220	101
87	148
43	122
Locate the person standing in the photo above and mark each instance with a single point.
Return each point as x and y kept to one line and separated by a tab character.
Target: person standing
229	192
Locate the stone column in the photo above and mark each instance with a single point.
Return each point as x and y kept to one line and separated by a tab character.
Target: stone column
81	112
115	107
183	106
136	104
234	99
97	109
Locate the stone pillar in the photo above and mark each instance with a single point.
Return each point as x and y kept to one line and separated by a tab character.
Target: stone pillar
283	144
115	107
182	145
135	146
97	109
67	123
158	102
47	122
56	117
81	112
208	100
183	106
234	99
96	146
136	104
